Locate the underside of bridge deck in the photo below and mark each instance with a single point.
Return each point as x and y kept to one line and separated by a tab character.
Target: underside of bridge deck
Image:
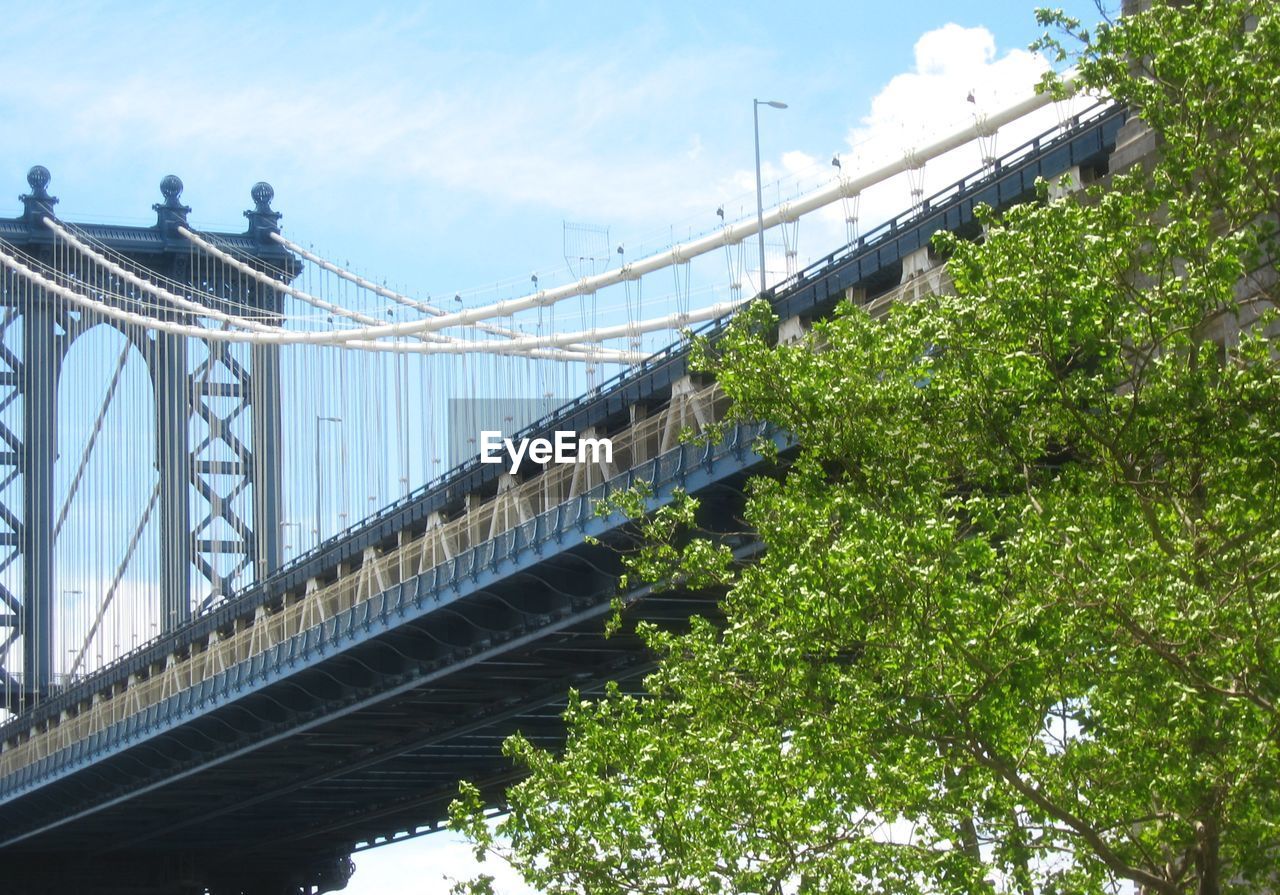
265	776
273	792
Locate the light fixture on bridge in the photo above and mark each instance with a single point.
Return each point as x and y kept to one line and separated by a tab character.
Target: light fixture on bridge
835	161
756	104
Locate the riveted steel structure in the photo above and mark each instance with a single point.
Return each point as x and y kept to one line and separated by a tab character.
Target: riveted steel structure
215	384
334	704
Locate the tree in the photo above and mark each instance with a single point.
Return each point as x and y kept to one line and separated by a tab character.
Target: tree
1017	623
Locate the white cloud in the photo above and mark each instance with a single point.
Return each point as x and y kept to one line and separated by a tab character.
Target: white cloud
530	135
426	865
695	148
953	49
797	162
951	62
912	109
916	107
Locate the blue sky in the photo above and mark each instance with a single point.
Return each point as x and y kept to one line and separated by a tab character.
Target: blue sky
442	146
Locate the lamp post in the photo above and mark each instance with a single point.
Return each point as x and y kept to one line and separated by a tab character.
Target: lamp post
319	480
756	104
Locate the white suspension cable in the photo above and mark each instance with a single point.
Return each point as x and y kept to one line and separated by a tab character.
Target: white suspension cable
370	323
355	316
677	254
27	269
174	299
595	334
102	253
253	325
398	298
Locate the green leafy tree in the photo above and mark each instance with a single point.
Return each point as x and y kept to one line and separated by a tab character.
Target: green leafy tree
1017	625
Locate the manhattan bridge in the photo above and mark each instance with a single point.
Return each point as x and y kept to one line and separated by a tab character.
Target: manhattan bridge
263	606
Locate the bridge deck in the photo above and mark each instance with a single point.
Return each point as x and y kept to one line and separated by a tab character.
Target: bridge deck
336	704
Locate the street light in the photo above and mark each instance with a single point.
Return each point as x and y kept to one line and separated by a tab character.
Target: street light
319	480
773	104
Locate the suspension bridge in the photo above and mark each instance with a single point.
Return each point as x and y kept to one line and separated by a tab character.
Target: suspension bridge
263	604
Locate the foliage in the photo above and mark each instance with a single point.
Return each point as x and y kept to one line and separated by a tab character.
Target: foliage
1017	625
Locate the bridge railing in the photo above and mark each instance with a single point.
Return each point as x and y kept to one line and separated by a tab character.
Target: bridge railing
935	202
237	613
559	500
929	206
556	500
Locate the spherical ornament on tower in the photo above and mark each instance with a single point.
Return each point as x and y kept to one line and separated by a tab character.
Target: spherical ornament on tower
38	178
171	188
262	194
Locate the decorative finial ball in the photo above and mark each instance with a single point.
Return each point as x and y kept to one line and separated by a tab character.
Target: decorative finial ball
262	193
171	187
38	177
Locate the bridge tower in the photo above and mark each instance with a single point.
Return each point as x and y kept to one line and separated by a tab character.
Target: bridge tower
216	418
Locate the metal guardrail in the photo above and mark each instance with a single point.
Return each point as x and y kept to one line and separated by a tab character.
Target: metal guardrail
245	604
439	561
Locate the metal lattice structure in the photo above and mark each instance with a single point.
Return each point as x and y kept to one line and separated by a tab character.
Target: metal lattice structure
216	413
334	701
